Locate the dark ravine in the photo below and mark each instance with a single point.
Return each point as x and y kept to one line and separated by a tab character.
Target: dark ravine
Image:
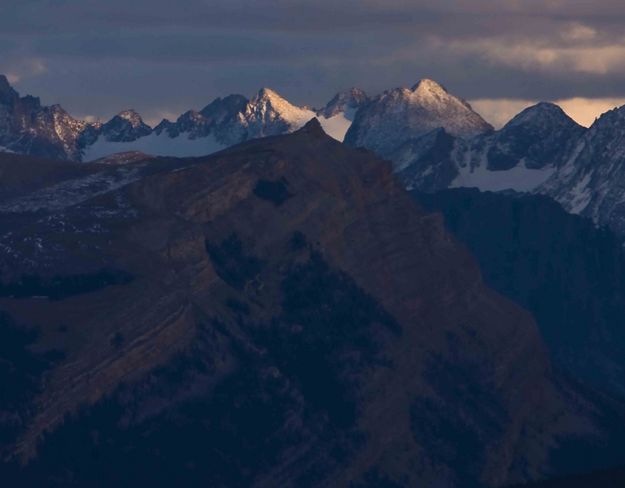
294	320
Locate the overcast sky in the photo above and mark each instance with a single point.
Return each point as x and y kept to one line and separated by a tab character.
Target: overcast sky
162	57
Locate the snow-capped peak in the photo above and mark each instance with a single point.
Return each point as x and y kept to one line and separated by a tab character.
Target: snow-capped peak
434	96
543	114
268	113
131	116
269	99
427	86
402	114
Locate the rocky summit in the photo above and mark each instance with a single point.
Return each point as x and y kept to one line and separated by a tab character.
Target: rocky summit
400	115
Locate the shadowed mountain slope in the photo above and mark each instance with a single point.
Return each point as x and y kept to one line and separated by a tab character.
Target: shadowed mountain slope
278	314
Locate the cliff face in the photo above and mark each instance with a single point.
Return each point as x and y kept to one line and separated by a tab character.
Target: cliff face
279	314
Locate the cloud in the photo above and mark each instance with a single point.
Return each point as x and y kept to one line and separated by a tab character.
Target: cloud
540	55
578	32
18	69
99	56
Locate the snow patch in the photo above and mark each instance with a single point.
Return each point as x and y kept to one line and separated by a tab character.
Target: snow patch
155	145
581	195
338	125
519	178
72	192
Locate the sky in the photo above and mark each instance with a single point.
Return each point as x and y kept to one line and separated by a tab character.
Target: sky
160	57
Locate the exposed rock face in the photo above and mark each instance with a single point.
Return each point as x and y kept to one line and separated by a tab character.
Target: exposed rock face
590	183
347	101
220	118
269	114
403	114
28	127
351	341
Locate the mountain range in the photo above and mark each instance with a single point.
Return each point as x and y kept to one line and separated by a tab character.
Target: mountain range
152	336
434	139
27	127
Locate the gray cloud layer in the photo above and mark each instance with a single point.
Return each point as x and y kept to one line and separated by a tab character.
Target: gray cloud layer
161	57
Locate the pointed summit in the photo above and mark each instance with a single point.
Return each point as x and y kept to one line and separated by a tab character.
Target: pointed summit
427	85
434	95
268	113
313	127
266	98
269	96
402	114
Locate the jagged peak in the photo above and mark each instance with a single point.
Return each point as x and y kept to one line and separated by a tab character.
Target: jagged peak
268	94
269	104
611	118
432	93
266	97
6	90
129	114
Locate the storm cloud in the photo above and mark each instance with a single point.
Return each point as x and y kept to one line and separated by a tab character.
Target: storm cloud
161	57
